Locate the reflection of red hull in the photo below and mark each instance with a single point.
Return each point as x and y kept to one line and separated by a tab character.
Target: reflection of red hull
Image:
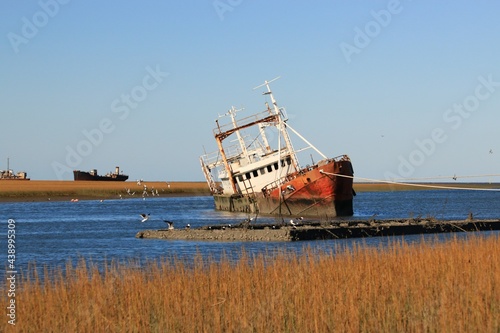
310	192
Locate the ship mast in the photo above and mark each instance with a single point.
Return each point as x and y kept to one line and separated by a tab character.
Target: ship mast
281	128
221	135
243	146
263	132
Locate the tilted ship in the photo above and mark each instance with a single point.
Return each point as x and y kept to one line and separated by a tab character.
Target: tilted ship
92	175
10	175
251	176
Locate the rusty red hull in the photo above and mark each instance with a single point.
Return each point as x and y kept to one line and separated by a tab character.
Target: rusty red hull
320	191
316	191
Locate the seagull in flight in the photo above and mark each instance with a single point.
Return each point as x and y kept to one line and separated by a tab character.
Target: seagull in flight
170	224
144	217
491	151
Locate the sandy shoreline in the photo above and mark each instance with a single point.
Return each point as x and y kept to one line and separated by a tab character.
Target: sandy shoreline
43	190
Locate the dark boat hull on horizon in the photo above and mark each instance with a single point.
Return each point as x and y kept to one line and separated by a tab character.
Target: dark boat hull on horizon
92	175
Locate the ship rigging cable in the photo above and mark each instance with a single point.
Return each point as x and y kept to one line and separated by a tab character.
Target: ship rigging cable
448	177
413	184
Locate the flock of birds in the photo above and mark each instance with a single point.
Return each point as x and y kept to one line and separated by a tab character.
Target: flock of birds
145	217
145	192
170	224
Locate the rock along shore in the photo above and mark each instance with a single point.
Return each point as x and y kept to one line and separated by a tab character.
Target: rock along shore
323	230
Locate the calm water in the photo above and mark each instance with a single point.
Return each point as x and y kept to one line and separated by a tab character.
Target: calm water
51	233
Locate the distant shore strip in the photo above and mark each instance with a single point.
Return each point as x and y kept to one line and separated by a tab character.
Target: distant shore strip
43	190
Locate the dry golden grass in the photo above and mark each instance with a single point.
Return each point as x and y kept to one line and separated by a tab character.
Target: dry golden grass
434	287
43	189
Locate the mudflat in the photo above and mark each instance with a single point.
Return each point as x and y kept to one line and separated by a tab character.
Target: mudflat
42	190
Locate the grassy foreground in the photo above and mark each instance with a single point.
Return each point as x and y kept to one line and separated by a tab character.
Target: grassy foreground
439	287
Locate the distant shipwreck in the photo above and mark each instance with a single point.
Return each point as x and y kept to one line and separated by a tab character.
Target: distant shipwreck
10	175
92	175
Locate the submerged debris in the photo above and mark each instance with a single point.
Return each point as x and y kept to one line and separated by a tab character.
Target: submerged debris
300	230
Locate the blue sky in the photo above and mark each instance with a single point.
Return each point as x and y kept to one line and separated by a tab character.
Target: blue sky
408	89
